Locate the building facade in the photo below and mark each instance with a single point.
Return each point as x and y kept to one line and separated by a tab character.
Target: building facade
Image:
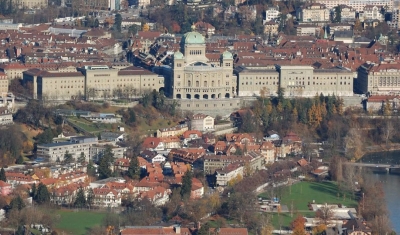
272	13
314	12
358	5
201	122
382	79
3	83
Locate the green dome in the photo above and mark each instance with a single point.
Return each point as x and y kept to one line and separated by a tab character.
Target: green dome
178	55
193	38
227	55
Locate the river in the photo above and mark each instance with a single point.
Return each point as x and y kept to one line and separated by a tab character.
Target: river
390	182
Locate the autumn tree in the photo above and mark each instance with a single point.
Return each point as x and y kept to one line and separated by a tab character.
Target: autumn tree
354	143
298	225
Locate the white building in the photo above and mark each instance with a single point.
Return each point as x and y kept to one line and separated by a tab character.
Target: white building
5	117
314	12
228	173
201	122
348	14
371	13
358	5
272	13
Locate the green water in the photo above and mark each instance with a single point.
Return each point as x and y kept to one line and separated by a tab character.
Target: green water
387	157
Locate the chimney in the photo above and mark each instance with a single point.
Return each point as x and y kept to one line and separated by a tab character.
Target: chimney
177	229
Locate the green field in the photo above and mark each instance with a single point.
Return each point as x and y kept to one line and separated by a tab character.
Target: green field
321	192
283	220
79	222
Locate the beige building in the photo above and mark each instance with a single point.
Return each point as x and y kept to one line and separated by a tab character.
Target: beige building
201	122
3	83
382	79
193	77
303	81
271	28
314	12
92	82
30	4
172	131
358	5
347	14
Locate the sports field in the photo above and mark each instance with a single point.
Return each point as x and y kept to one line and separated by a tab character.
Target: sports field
78	222
300	194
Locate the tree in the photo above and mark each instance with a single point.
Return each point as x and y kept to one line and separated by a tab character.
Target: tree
118	22
145	27
105	163
134	169
17	203
43	195
45	137
82	158
96	23
3	175
80	200
248	124
319	230
186	188
298	226
324	214
204	230
20	160
68	157
338	14
90	197
33	191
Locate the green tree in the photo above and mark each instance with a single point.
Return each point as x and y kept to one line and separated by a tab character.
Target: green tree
186	188
96	23
17	203
105	163
80	200
45	137
90	169
338	14
68	157
132	116
134	168
90	197
43	195
20	230
133	29
33	191
20	160
82	158
3	175
118	22
204	230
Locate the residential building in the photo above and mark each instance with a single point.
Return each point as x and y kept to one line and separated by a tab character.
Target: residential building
96	150
379	102
271	14
143	3
17	178
205	28
103	118
268	151
358	5
5	188
187	155
105	197
197	189
152	157
346	36
155	230
77	145
153	144
347	14
307	30
201	122
228	173
314	12
3	83
371	12
171	142
271	28
214	162
172	131
378	79
6	117
356	226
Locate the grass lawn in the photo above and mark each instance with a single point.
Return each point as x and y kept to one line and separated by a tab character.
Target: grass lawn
78	223
283	220
321	192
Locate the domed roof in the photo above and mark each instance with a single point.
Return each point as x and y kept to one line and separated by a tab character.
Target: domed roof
178	55
227	55
193	38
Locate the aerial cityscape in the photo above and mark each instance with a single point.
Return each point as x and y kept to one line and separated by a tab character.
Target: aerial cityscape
199	117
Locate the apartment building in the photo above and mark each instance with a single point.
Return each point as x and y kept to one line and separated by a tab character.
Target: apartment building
201	122
371	12
77	145
358	5
214	162
3	83
6	117
347	14
378	79
298	80
96	151
228	173
172	131
272	13
314	12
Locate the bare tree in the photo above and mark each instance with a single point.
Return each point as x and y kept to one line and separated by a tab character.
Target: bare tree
353	143
325	214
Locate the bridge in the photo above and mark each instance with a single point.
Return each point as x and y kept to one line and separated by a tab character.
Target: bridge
381	165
